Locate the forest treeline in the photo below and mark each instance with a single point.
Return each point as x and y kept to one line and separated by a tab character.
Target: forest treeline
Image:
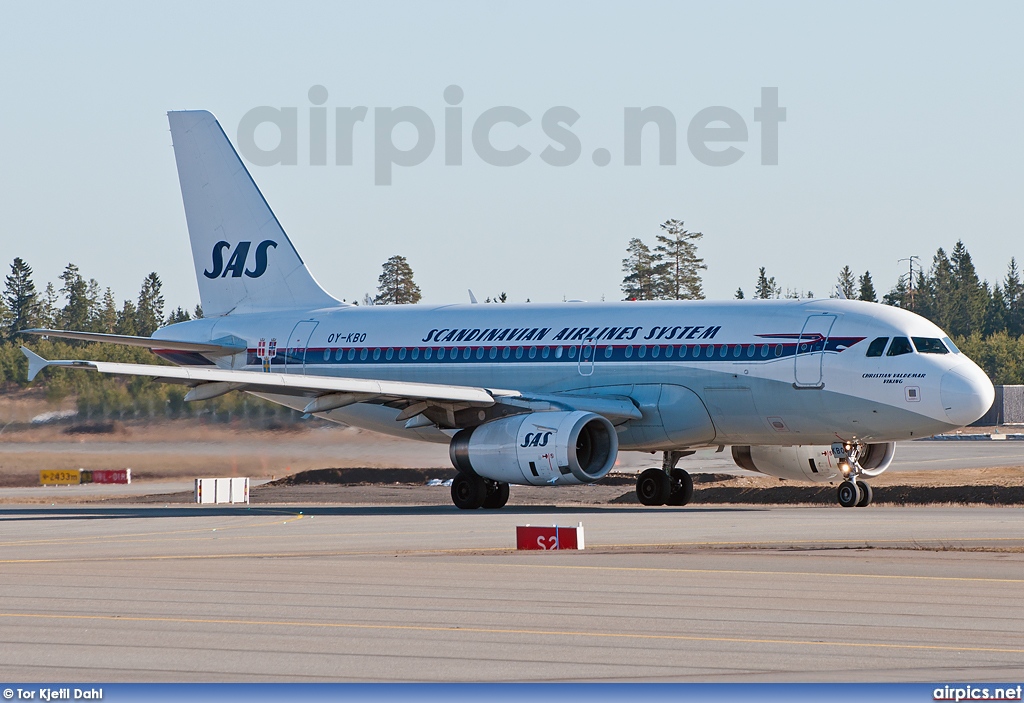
985	320
79	304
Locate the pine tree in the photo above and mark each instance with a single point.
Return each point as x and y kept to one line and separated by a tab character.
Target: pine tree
21	301
92	294
77	311
934	293
970	299
149	313
179	315
5	318
739	294
197	314
641	270
766	287
127	319
107	321
995	312
1013	300
677	272
899	296
867	288
846	283
395	286
49	314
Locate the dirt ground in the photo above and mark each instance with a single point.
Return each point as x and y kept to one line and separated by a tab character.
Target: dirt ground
376	486
185	449
369	468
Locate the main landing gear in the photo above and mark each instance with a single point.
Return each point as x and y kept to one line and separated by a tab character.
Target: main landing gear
852	492
667	485
472	492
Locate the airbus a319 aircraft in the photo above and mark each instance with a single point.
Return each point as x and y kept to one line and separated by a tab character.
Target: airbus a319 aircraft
810	390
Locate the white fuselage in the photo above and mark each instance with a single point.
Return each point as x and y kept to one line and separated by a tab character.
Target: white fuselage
703	373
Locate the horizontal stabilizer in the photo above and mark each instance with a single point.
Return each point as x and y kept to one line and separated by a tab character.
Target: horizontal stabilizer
36	363
222	347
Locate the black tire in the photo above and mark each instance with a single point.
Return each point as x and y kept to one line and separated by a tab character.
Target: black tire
682	488
848	494
653	487
497	496
866	494
468	492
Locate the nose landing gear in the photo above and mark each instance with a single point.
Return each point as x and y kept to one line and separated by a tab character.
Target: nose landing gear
852	492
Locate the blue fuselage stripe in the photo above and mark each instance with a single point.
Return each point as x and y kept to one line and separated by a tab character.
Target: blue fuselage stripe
550	353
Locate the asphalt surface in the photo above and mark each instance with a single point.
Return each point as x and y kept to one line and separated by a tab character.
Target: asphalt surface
212	593
919	455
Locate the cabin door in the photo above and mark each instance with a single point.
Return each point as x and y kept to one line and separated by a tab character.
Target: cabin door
810	350
298	340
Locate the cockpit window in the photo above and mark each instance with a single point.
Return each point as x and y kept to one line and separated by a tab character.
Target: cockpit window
949	343
929	345
877	346
899	346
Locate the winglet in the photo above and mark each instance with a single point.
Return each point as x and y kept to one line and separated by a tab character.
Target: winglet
36	363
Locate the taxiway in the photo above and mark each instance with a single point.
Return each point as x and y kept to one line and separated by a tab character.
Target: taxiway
399	593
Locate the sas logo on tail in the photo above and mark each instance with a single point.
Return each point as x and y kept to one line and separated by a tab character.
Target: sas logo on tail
236	263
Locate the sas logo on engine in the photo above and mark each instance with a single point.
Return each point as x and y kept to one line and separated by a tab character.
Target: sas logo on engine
238	259
536	439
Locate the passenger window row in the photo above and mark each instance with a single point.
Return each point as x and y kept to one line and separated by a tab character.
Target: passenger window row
586	353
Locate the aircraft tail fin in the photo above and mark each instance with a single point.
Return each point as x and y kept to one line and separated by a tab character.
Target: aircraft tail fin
244	260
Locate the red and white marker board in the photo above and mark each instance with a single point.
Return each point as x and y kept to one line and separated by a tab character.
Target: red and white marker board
541	537
112	476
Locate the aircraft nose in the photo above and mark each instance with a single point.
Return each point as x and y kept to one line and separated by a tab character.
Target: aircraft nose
966	393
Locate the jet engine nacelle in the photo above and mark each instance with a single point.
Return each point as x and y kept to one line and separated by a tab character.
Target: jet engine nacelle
811	463
553	448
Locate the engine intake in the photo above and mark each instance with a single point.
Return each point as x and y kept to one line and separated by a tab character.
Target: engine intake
811	463
553	448
875	458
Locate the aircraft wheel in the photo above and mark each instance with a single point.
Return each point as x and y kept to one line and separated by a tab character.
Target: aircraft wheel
497	496
468	492
866	494
849	494
682	488
653	487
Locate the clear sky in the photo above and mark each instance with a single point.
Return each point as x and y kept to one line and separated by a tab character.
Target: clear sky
903	133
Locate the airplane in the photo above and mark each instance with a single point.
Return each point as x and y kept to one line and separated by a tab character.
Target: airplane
547	394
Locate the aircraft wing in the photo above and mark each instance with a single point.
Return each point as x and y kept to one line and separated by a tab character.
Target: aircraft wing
331	392
328	393
223	347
